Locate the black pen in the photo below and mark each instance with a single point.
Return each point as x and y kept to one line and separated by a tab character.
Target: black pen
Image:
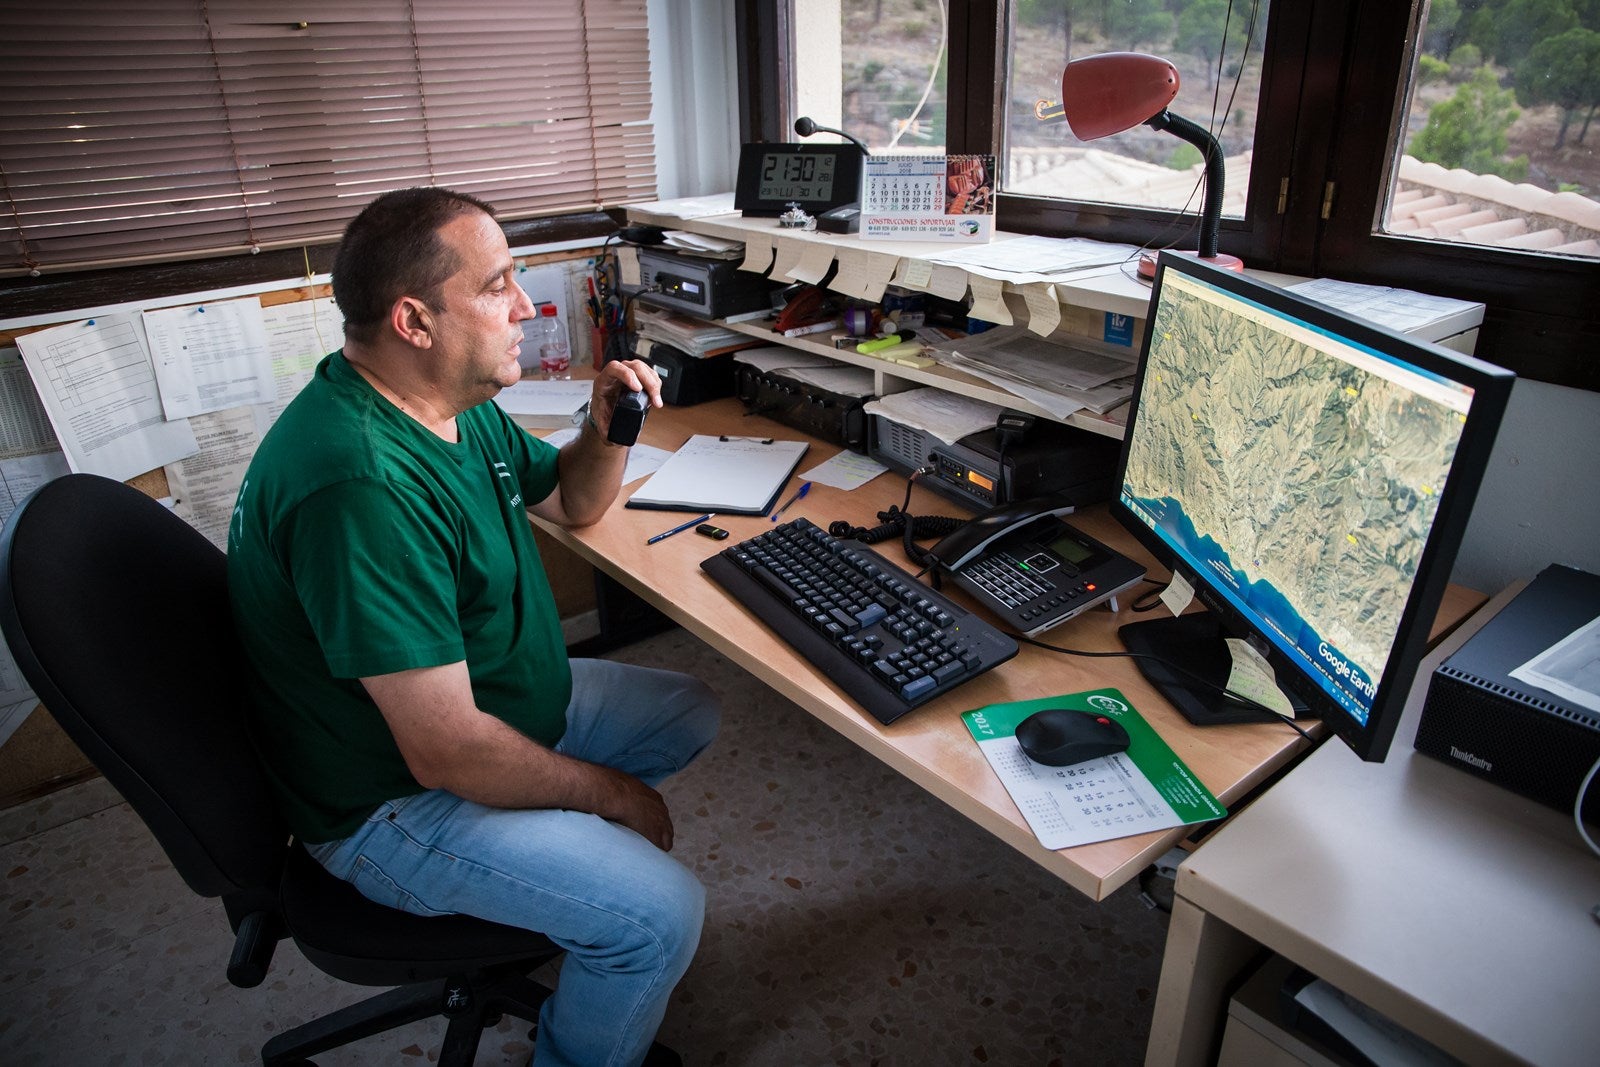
664	534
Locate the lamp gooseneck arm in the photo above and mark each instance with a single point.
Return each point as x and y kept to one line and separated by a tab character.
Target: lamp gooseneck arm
1211	150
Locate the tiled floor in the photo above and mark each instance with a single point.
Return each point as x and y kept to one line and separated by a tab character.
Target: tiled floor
852	919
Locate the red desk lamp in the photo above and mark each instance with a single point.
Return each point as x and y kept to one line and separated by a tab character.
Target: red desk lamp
1116	91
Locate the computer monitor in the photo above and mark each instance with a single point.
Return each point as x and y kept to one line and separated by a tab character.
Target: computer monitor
1310	474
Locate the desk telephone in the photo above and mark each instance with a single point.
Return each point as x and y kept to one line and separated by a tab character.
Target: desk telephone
1031	569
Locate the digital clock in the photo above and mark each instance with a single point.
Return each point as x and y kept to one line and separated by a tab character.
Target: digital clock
816	177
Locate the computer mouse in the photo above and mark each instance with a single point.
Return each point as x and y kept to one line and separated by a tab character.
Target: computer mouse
1060	737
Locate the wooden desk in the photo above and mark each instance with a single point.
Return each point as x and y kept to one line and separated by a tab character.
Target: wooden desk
930	745
1458	909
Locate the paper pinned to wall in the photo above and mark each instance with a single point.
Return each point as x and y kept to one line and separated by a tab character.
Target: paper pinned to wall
99	388
210	357
13	716
205	487
299	335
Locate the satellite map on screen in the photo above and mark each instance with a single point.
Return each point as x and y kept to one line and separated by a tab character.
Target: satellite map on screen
1302	482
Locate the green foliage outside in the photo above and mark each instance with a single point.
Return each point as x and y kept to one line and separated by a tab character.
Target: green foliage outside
1507	30
1547	51
1464	59
1185	156
1430	69
1563	70
1469	129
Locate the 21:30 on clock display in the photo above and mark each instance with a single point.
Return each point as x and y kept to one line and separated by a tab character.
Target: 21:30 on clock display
814	177
799	176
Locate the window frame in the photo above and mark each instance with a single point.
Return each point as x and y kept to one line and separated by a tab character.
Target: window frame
1325	116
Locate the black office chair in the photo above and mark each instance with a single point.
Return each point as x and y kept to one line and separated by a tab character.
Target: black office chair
117	613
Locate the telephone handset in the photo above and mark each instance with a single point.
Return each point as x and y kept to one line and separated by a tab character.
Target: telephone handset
977	534
1031	569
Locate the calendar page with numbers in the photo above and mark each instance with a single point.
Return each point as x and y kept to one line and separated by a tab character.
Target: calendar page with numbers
1145	788
928	198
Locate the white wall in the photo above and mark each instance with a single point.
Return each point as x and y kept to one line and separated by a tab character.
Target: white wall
694	76
1540	500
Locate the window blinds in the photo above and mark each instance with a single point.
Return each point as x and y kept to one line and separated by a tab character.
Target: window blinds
145	130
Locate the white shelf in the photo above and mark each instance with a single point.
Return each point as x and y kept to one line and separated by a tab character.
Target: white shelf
1113	293
897	377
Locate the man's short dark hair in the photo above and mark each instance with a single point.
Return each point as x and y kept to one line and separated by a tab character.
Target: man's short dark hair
392	249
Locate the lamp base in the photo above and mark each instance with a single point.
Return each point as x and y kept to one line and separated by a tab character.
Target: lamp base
1147	262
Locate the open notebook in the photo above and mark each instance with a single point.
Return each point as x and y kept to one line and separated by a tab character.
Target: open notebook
731	475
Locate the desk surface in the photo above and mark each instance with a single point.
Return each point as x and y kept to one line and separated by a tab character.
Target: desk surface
1459	909
930	745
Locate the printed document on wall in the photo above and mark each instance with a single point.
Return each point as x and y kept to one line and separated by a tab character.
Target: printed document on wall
99	388
300	334
205	486
30	455
209	357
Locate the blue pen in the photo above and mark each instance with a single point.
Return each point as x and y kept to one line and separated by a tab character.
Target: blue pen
664	534
805	487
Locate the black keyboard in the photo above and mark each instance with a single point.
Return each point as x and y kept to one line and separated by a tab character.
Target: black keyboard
888	641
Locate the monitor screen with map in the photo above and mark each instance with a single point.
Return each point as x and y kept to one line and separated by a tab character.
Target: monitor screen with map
1310	475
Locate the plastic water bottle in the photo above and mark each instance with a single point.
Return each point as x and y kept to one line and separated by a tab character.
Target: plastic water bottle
555	356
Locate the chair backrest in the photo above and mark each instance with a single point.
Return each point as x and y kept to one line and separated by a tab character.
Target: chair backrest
117	613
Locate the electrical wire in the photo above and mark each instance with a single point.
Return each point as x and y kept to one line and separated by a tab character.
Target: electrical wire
1184	218
1150	599
898	521
1577	808
1176	669
933	75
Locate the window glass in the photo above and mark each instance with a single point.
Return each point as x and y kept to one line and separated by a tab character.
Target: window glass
888	70
1495	145
1216	46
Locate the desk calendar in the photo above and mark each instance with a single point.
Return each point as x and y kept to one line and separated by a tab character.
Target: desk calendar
928	198
1145	788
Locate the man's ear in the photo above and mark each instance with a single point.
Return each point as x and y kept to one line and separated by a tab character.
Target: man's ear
412	322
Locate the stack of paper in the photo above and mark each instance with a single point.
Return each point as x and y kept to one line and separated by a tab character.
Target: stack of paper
686	208
544	405
696	337
704	246
947	416
1429	317
1059	377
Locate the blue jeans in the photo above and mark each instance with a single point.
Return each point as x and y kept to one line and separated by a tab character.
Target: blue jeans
627	914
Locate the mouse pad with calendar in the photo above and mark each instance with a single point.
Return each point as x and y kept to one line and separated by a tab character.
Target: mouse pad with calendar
1145	788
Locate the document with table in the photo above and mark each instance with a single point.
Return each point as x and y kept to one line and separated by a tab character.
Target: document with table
722	473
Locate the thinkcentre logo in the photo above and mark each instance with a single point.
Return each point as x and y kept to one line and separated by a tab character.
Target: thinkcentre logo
1467	757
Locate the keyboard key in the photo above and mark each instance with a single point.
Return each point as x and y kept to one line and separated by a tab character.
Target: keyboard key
885	639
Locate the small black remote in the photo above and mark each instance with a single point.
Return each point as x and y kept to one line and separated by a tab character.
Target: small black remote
627	418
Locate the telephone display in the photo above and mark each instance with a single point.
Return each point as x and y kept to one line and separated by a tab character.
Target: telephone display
1039	571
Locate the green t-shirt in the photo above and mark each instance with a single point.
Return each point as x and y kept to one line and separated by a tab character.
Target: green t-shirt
362	544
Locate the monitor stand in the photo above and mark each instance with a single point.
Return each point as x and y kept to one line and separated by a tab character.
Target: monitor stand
1196	642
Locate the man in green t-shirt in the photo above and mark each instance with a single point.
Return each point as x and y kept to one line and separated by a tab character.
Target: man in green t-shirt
425	734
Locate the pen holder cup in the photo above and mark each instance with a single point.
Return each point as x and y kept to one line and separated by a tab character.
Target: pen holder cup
598	336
